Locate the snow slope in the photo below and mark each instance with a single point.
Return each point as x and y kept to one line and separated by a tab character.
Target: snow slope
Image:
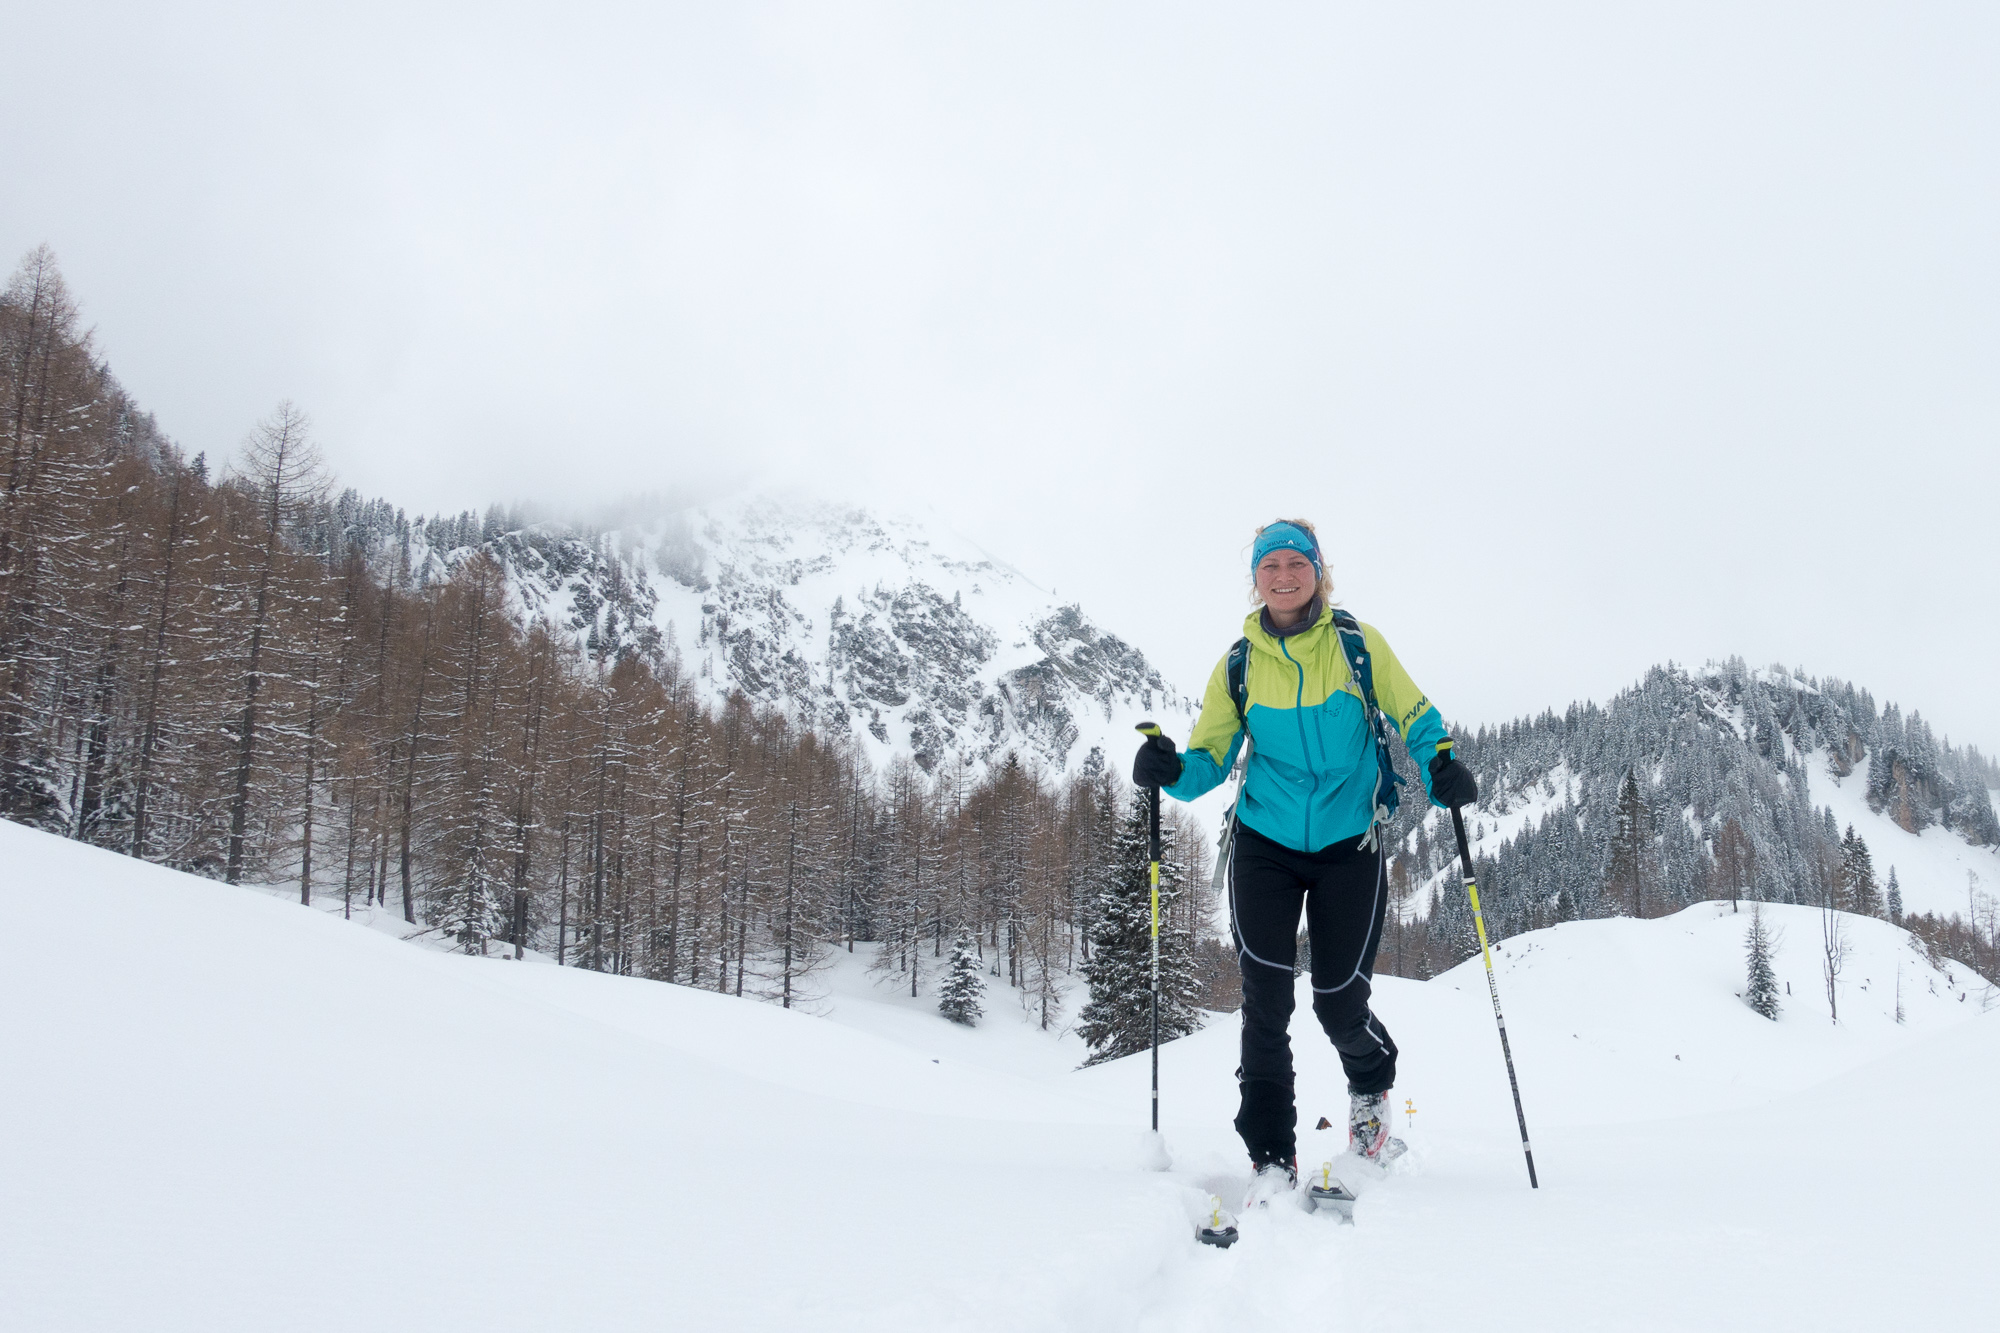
225	1112
1931	866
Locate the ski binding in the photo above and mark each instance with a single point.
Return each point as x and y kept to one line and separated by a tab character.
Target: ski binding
1219	1229
1325	1190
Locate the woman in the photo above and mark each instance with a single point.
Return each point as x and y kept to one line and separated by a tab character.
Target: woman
1305	834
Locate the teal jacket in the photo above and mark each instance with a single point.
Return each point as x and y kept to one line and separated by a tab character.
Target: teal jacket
1311	778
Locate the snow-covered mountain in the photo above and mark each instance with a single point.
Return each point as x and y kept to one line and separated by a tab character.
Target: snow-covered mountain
1744	777
915	640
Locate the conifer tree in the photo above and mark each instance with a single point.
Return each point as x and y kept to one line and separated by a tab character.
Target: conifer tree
1628	832
1762	994
958	994
1117	1021
282	470
1895	898
1858	875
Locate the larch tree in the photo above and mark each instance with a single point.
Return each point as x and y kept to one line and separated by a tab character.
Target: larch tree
1833	949
282	470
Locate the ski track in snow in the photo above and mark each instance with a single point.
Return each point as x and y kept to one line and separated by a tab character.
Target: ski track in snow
225	1113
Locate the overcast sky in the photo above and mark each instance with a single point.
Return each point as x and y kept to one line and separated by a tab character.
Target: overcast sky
1591	335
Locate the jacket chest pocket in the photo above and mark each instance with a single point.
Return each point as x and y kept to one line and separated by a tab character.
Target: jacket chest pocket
1338	734
1282	747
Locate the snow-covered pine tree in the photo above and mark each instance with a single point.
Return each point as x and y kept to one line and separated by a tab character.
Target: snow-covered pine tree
1862	889
1762	994
959	992
1855	888
1894	898
1622	876
1117	1020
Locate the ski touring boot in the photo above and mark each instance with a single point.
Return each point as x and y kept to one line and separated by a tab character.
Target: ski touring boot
1274	1180
1326	1193
1368	1128
1217	1227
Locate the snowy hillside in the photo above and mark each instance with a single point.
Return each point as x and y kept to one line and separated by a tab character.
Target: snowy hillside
916	641
1742	781
1936	867
230	1113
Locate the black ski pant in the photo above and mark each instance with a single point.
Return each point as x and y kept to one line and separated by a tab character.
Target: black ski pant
1344	893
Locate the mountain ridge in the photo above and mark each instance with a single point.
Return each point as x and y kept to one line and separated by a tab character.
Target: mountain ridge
916	640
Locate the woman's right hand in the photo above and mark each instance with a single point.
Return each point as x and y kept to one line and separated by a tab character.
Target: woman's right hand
1157	764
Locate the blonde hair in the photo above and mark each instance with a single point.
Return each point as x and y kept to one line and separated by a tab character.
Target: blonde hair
1325	565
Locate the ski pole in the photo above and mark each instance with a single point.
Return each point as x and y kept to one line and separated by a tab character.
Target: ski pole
1493	989
1153	827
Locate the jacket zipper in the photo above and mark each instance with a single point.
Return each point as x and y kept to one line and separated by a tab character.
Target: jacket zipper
1299	711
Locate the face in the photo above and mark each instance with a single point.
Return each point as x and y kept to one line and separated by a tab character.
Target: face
1285	580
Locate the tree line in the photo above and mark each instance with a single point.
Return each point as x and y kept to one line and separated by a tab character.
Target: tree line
240	673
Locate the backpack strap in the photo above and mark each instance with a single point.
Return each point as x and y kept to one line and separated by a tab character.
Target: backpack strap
1238	674
1355	644
1239	682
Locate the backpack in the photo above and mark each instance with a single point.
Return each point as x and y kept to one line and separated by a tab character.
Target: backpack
1352	642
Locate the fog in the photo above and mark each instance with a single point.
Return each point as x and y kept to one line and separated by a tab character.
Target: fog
1590	339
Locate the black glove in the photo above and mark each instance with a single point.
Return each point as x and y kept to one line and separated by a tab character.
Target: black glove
1157	764
1452	783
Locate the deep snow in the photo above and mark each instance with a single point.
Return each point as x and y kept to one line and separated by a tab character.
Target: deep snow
226	1112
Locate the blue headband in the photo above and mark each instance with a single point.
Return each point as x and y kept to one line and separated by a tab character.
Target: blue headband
1283	536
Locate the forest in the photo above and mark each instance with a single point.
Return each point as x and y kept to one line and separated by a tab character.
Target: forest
237	670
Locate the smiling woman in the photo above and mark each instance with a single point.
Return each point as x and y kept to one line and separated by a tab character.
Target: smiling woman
1310	691
1276	575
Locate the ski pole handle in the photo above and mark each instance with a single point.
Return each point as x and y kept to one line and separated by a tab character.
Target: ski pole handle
1150	730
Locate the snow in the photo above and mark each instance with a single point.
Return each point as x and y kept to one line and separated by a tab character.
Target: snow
225	1112
1930	866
